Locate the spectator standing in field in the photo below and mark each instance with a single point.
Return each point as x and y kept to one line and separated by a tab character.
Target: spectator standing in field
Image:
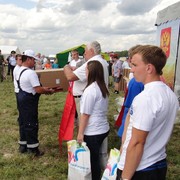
28	99
55	65
74	64
110	71
38	65
133	89
125	64
1	66
48	64
75	59
7	60
92	52
93	125
12	62
150	121
116	72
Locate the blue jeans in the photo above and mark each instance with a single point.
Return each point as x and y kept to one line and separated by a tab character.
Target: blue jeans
94	144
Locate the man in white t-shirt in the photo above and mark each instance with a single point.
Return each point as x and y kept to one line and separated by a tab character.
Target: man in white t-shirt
92	52
28	99
75	59
75	63
150	120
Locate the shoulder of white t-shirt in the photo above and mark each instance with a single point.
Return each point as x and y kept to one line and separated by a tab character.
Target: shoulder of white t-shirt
98	58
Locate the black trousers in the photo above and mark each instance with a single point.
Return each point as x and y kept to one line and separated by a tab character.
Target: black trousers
28	119
94	143
158	173
12	69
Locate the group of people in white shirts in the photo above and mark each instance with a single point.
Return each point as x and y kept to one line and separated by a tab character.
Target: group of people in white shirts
151	116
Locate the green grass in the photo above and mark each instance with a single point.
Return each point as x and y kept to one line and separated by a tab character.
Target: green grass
53	165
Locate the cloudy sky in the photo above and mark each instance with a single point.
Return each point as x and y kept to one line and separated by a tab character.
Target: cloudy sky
51	26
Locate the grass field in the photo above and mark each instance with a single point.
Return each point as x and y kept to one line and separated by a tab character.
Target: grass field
53	165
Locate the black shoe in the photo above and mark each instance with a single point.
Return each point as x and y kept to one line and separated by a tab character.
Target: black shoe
35	151
22	149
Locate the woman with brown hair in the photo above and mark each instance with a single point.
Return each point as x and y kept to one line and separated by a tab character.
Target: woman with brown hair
93	125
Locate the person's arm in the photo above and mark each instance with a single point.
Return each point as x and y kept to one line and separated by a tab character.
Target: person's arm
125	130
134	152
82	126
69	74
112	71
43	90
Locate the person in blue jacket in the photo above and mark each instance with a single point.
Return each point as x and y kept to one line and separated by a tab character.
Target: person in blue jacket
134	88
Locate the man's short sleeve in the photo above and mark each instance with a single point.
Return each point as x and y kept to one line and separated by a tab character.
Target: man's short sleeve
34	79
141	113
81	72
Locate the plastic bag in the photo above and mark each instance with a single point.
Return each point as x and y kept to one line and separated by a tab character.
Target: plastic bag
111	168
79	166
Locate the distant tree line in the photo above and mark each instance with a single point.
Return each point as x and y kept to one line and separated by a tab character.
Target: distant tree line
122	53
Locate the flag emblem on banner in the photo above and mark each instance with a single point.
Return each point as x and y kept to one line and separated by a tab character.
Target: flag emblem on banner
166	40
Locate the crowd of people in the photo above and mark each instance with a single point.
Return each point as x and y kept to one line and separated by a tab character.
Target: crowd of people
117	66
147	116
150	108
41	63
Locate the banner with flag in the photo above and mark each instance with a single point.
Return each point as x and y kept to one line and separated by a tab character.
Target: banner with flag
167	39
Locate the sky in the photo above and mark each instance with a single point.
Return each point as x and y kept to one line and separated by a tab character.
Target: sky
51	26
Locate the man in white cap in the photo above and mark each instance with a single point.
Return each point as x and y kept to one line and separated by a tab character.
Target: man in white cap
28	98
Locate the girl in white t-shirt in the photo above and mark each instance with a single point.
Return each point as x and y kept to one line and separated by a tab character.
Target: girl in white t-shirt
93	125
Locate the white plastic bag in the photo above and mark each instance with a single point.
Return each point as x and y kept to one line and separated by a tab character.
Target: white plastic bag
111	168
79	166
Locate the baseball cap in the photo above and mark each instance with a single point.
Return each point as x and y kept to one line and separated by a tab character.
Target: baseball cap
30	53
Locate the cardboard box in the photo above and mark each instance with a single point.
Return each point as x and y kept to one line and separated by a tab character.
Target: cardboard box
53	78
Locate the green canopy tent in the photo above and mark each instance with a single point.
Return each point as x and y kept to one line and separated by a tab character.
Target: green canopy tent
63	56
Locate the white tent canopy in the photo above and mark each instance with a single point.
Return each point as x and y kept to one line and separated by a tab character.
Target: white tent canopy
6	50
168	14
